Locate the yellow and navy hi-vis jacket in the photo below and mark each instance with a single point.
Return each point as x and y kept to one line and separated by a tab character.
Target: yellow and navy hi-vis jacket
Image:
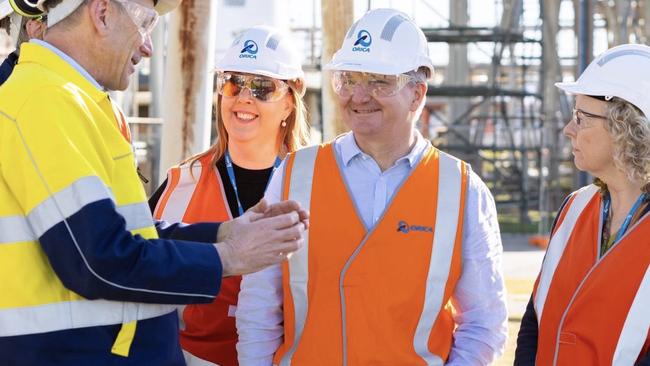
81	264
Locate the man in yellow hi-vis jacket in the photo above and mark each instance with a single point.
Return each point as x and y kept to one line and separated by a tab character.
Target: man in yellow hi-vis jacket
82	268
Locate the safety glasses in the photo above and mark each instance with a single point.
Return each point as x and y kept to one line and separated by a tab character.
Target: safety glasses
263	88
144	18
582	118
377	85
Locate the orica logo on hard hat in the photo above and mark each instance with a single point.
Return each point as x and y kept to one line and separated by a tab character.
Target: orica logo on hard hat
249	50
363	42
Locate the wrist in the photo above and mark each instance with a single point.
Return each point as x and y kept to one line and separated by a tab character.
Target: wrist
225	257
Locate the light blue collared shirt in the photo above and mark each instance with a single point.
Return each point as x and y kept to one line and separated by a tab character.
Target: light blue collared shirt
372	190
479	297
69	60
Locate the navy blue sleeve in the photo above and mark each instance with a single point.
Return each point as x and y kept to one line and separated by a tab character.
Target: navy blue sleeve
7	67
204	232
526	350
644	360
95	256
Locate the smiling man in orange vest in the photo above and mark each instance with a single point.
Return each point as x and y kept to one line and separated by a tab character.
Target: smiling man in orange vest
401	265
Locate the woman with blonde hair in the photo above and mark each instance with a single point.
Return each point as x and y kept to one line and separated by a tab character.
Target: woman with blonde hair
590	302
261	117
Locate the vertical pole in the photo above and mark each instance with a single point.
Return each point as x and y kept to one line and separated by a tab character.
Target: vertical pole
337	16
187	107
551	66
585	52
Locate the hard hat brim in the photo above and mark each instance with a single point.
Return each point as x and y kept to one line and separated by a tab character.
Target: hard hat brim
375	68
165	6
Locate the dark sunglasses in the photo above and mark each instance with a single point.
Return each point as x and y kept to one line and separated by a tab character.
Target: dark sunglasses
263	88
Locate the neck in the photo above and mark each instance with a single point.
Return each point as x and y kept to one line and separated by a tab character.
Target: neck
254	155
75	48
386	153
623	193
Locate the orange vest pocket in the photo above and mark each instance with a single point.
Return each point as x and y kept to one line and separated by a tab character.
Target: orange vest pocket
567	338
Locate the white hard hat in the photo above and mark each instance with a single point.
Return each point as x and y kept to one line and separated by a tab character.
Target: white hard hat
622	72
383	41
5	9
263	50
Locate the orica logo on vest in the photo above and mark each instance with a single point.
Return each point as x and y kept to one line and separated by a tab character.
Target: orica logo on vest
363	42
405	228
249	50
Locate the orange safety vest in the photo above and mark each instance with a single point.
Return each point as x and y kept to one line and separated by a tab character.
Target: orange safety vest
196	194
378	296
591	310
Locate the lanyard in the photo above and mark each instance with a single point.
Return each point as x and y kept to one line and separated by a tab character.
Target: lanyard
628	218
233	182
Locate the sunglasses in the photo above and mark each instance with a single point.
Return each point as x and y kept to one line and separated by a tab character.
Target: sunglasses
262	88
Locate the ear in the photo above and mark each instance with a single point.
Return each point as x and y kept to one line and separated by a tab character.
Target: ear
288	105
100	13
419	92
35	28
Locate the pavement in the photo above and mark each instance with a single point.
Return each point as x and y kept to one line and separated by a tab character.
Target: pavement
521	264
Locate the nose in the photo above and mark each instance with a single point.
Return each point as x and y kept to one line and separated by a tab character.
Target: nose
245	96
569	129
360	93
147	46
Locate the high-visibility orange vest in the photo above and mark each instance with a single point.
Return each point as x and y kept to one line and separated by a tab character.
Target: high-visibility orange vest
196	194
591	310
380	296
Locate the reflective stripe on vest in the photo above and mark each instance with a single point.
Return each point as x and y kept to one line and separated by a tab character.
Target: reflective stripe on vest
557	245
592	309
452	179
635	329
181	182
300	190
449	190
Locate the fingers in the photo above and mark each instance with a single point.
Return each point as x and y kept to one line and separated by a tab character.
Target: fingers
283	207
261	207
280	222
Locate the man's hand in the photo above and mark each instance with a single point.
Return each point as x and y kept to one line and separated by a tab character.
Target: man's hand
264	235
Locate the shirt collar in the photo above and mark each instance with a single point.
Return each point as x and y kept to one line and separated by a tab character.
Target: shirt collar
70	61
350	149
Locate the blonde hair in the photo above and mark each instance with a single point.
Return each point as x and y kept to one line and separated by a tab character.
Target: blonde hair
630	131
294	135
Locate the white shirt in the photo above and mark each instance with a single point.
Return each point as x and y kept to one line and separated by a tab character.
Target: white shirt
479	297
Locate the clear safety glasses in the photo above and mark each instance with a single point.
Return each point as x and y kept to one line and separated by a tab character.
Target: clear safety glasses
144	18
263	88
377	85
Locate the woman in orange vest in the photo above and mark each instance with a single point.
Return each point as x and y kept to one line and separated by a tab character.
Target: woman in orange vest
260	84
591	301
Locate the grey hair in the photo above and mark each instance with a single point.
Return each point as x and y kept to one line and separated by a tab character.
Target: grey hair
630	131
420	75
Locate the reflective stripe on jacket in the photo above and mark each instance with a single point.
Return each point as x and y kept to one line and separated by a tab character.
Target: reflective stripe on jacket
376	297
591	310
75	229
195	194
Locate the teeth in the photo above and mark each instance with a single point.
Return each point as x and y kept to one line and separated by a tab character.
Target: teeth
246	116
365	110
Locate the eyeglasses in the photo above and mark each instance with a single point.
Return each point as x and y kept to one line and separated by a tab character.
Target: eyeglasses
263	88
144	18
378	85
580	117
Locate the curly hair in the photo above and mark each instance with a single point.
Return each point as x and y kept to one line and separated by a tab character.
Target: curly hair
630	131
